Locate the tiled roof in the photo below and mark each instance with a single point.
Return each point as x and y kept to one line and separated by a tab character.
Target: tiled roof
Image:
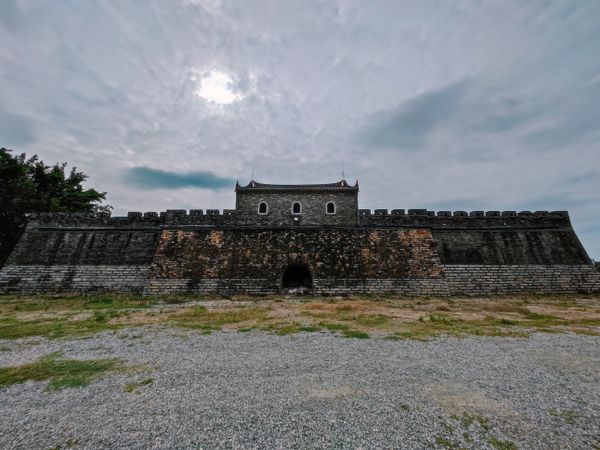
254	185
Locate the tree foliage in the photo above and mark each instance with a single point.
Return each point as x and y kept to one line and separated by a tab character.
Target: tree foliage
29	185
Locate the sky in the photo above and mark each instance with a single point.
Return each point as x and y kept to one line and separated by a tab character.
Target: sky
437	104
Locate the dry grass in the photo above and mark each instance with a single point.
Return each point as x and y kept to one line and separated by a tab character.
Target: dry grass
393	317
215	319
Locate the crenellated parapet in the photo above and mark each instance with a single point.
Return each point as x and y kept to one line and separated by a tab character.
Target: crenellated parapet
210	217
60	219
366	218
462	219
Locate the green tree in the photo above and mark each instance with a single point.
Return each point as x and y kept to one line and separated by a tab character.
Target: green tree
29	185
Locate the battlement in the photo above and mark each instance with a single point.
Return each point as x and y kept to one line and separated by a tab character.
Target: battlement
366	218
136	219
427	213
462	219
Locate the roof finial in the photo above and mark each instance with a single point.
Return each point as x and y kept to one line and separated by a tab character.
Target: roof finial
252	179
343	172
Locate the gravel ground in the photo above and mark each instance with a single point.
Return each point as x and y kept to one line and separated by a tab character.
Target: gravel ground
257	390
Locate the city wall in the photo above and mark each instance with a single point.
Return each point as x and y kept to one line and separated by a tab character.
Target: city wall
413	252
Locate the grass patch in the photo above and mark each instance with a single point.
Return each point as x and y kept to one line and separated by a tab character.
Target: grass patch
54	327
585	331
282	329
435	325
60	372
309	329
334	326
70	443
373	320
203	318
288	329
530	315
13	303
295	328
131	387
568	415
468	419
345	313
355	334
446	443
408	335
499	444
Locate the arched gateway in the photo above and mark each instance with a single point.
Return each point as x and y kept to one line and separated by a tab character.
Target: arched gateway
296	276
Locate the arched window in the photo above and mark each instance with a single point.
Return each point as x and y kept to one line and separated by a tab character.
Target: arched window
296	208
263	208
330	208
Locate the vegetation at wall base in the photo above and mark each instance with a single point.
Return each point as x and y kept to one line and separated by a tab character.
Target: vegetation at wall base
393	318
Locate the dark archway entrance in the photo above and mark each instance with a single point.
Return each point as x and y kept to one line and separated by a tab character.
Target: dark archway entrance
296	277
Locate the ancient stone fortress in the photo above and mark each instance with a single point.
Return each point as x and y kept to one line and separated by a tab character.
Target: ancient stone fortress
301	237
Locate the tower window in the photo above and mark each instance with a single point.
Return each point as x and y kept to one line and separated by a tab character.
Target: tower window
296	208
330	208
263	208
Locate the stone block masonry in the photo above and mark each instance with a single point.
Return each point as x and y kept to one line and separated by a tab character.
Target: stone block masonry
476	279
253	261
73	279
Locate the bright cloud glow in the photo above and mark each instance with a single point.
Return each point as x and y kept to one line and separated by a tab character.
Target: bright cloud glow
217	87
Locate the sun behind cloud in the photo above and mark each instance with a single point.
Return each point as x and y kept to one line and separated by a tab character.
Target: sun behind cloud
217	87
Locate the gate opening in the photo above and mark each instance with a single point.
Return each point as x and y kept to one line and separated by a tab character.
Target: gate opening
296	277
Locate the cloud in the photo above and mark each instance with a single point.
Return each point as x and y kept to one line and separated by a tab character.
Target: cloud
16	131
408	125
146	177
449	105
10	14
505	116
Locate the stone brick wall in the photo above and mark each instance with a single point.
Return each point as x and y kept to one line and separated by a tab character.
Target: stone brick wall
80	279
507	279
85	246
510	246
321	286
230	260
457	280
79	259
417	287
313	208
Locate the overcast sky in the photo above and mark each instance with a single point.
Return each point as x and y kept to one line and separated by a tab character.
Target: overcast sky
445	105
